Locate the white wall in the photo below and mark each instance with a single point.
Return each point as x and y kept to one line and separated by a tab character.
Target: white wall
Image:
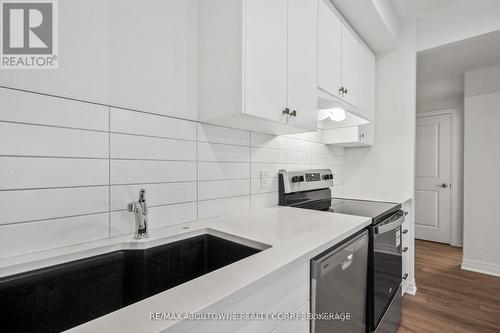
157	72
68	169
460	20
386	170
481	176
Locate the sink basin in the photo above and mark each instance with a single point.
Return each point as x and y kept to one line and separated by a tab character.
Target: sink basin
60	297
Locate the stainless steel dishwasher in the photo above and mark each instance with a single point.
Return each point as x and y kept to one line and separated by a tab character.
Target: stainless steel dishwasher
338	287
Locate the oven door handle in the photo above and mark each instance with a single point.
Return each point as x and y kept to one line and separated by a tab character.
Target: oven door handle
389	226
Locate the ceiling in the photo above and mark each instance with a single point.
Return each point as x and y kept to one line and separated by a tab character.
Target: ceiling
440	71
421	7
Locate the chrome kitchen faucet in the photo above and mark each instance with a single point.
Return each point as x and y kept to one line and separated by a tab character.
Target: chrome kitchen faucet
140	210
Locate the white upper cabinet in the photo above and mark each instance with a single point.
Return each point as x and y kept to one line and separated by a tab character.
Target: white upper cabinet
329	50
366	99
338	59
258	58
350	67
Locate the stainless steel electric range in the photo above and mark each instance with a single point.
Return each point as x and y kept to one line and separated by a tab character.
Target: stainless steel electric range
310	189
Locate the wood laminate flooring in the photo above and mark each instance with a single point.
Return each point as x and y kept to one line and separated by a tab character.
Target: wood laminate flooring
449	299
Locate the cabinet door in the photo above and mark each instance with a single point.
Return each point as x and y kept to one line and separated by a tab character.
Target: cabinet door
350	66
265	58
329	48
367	133
366	101
303	62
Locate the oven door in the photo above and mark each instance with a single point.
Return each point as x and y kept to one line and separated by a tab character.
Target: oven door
386	264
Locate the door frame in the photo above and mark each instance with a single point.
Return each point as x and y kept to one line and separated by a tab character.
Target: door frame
457	169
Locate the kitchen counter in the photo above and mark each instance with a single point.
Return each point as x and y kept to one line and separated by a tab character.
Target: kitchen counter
288	236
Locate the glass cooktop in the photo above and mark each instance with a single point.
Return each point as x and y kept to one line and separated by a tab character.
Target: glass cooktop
373	209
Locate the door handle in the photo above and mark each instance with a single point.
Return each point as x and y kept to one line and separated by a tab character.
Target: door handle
444	185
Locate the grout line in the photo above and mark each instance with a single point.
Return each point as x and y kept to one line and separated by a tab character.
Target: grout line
51	188
53	126
109	172
197	171
50	156
53	218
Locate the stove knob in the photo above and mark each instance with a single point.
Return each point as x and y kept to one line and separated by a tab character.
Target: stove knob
295	179
330	176
301	178
326	177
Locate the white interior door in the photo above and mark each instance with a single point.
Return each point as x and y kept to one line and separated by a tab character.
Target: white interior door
433	178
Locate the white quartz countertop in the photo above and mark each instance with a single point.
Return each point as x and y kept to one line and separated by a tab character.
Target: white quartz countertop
288	236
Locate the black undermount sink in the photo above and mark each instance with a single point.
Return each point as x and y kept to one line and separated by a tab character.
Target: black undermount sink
64	296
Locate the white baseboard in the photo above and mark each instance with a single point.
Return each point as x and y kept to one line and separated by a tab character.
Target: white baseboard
481	267
412	288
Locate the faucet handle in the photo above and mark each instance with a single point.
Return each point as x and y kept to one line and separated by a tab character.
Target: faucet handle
142	195
131	207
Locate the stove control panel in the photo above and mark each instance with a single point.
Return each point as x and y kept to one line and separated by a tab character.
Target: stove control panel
306	180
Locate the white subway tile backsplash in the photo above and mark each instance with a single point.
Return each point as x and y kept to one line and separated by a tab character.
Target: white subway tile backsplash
156	194
68	169
326	159
267	141
270	168
33	140
44	235
19	106
265	155
140	172
30	205
226	206
131	122
220	171
142	147
36	172
214	189
257	186
218	134
298	157
213	152
298	145
263	200
122	222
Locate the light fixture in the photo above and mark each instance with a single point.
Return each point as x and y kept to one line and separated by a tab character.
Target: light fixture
335	114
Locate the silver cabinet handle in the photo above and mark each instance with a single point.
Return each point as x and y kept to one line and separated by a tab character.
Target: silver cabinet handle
286	111
389	226
444	185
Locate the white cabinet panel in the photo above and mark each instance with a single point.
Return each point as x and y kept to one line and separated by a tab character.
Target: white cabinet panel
266	58
303	62
295	326
329	50
350	66
287	293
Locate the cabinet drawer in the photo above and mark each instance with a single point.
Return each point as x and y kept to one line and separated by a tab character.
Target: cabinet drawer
287	293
